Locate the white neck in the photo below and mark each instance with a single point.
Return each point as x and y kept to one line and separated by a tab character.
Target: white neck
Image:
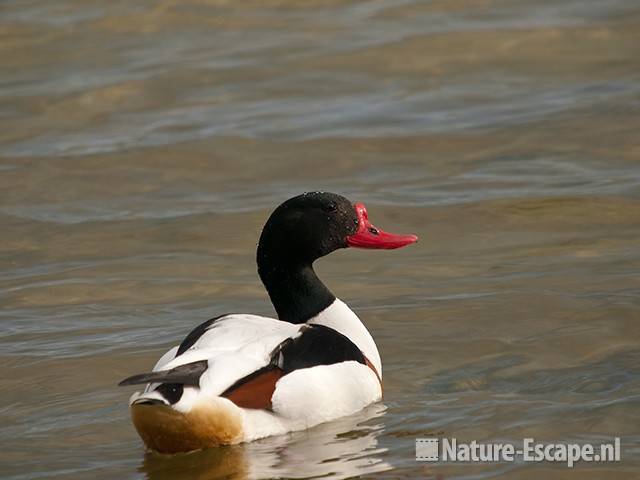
341	318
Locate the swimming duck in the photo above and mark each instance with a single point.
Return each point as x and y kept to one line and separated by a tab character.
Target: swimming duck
240	377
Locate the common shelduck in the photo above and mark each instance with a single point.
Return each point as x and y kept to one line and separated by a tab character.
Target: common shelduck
240	377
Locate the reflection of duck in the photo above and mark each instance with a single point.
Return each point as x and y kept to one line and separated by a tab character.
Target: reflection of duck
345	448
229	462
242	377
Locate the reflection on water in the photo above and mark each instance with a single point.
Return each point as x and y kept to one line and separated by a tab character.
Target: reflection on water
144	143
343	449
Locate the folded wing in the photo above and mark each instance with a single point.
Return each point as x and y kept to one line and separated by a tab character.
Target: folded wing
242	357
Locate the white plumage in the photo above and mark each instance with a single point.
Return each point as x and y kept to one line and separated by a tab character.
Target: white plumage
242	377
235	346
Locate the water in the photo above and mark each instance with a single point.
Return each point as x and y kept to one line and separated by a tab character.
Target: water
143	145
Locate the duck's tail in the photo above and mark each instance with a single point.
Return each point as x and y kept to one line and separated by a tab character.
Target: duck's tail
168	424
164	429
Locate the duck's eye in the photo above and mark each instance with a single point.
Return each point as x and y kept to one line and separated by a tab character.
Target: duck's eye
329	207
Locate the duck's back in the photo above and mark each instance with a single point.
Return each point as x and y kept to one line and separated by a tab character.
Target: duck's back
241	377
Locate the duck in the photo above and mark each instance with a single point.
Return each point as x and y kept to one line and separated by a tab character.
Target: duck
241	377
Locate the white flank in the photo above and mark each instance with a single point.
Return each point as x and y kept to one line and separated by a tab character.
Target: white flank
238	345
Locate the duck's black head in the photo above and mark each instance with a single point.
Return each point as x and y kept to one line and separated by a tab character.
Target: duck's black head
307	227
303	229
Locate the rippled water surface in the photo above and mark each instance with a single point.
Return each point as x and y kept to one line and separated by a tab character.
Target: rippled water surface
143	144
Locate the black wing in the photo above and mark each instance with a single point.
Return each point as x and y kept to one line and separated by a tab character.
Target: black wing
188	374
